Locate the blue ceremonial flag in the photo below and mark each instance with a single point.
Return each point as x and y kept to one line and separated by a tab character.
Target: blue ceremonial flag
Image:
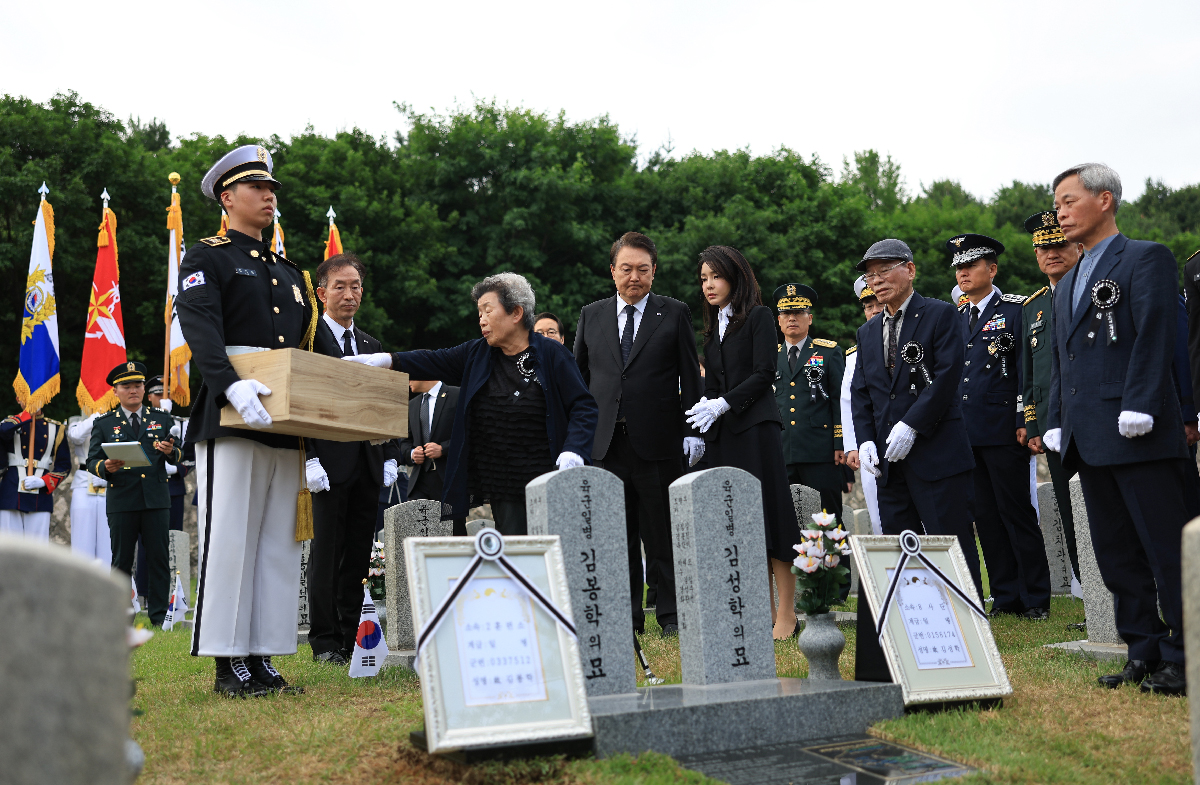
37	378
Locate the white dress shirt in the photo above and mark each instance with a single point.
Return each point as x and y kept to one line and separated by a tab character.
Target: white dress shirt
982	303
339	331
433	396
723	317
799	346
640	305
897	326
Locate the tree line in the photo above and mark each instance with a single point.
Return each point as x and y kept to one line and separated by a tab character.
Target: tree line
486	188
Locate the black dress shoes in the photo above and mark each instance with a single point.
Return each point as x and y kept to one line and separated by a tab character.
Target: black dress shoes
1169	679
670	630
331	658
996	613
264	676
1133	673
233	679
1037	614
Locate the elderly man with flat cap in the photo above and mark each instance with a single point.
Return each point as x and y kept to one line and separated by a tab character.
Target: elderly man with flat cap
1005	518
236	295
907	414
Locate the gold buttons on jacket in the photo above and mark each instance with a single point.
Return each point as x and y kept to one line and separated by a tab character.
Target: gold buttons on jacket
792	383
793	410
274	282
281	339
254	254
792	397
276	309
143	476
793	422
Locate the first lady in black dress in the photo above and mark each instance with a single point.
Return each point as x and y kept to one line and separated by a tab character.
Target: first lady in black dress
737	415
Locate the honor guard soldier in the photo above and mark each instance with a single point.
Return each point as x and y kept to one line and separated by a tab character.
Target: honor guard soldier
1005	519
1055	257
808	381
236	296
137	502
38	459
871	306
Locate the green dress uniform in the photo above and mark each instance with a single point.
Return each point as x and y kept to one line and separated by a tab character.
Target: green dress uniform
137	500
811	411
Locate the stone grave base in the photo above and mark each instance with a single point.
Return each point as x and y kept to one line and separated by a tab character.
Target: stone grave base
301	635
1100	651
400	659
679	719
839	617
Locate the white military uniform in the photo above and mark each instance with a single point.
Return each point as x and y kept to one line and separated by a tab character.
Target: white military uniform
850	443
89	519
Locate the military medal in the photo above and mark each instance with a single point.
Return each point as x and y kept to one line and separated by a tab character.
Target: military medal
1002	347
1033	342
1105	295
914	354
815	374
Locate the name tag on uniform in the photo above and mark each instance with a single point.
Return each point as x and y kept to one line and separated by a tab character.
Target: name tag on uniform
246	271
995	323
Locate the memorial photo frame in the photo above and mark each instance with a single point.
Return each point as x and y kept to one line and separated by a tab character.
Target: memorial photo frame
965	662
498	670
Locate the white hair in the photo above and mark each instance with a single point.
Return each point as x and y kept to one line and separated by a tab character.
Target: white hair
1096	178
513	290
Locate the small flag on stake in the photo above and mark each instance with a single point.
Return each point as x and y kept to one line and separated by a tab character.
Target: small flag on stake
177	608
333	246
370	649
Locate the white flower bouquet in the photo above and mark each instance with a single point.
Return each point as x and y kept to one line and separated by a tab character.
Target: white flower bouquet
376	572
818	566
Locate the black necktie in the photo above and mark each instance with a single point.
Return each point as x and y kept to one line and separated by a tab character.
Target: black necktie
347	346
974	316
425	419
627	334
893	335
136	422
793	357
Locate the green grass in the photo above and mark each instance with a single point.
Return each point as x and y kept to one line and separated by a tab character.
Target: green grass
1058	727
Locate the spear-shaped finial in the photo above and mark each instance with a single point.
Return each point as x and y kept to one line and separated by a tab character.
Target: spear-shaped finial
276	214
44	190
331	215
104	197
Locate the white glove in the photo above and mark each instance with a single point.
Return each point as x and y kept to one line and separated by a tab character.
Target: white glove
705	413
379	359
868	459
900	441
99	483
33	482
315	474
165	404
693	448
1134	424
568	460
243	396
391	471
176	431
172	469
1052	439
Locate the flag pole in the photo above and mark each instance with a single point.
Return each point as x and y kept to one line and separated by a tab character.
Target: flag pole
173	177
33	415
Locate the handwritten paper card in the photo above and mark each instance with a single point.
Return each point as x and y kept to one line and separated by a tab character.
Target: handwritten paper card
497	643
930	621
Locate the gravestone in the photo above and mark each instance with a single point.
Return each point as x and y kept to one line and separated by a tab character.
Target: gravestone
807	502
302	612
585	507
179	557
858	523
64	693
418	518
474	526
1056	541
720	566
1191	626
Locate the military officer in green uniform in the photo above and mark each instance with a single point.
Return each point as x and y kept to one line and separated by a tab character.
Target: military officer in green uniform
808	382
137	501
1055	257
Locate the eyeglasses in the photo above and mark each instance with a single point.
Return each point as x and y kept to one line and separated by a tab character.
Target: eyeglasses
547	333
870	278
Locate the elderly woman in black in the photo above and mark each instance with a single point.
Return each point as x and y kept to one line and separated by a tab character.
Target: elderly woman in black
737	414
523	408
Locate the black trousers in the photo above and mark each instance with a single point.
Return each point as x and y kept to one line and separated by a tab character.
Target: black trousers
339	559
1136	513
647	522
139	575
153	526
510	518
1008	528
1062	492
944	507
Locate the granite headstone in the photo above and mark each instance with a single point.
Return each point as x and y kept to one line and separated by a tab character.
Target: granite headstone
1055	539
64	693
418	518
474	526
1191	627
1097	599
585	507
720	566
302	610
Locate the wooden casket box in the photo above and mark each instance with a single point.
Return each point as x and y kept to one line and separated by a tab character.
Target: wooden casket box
322	397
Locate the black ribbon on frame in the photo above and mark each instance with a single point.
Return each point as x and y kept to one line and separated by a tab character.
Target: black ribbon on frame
1105	295
914	354
910	548
489	546
815	375
1003	347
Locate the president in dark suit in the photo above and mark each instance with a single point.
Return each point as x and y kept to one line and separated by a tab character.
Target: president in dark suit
637	353
1114	417
345	478
905	399
427	448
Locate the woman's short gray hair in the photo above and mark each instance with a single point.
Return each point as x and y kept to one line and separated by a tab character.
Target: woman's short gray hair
513	291
1096	178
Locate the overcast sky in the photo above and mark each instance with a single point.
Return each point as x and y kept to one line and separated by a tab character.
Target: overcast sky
980	92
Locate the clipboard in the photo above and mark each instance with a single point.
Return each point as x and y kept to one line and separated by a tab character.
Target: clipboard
130	452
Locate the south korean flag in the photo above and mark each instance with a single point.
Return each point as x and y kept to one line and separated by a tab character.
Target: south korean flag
370	650
177	608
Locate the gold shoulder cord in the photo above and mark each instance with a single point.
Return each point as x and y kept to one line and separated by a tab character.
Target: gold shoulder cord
304	512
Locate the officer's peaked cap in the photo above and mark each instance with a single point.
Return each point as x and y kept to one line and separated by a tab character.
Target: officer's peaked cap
246	163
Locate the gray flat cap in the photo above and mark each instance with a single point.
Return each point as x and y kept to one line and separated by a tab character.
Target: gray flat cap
886	249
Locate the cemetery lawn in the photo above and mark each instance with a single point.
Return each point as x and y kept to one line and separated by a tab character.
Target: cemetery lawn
1059	726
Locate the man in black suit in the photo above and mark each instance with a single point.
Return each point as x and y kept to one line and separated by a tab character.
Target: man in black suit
637	353
905	396
345	478
430	429
1115	418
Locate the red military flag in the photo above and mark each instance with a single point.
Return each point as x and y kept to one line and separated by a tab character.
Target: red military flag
333	246
104	335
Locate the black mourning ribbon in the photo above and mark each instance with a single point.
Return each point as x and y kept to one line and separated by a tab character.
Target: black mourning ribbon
910	548
1105	295
489	546
914	354
815	375
1003	347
